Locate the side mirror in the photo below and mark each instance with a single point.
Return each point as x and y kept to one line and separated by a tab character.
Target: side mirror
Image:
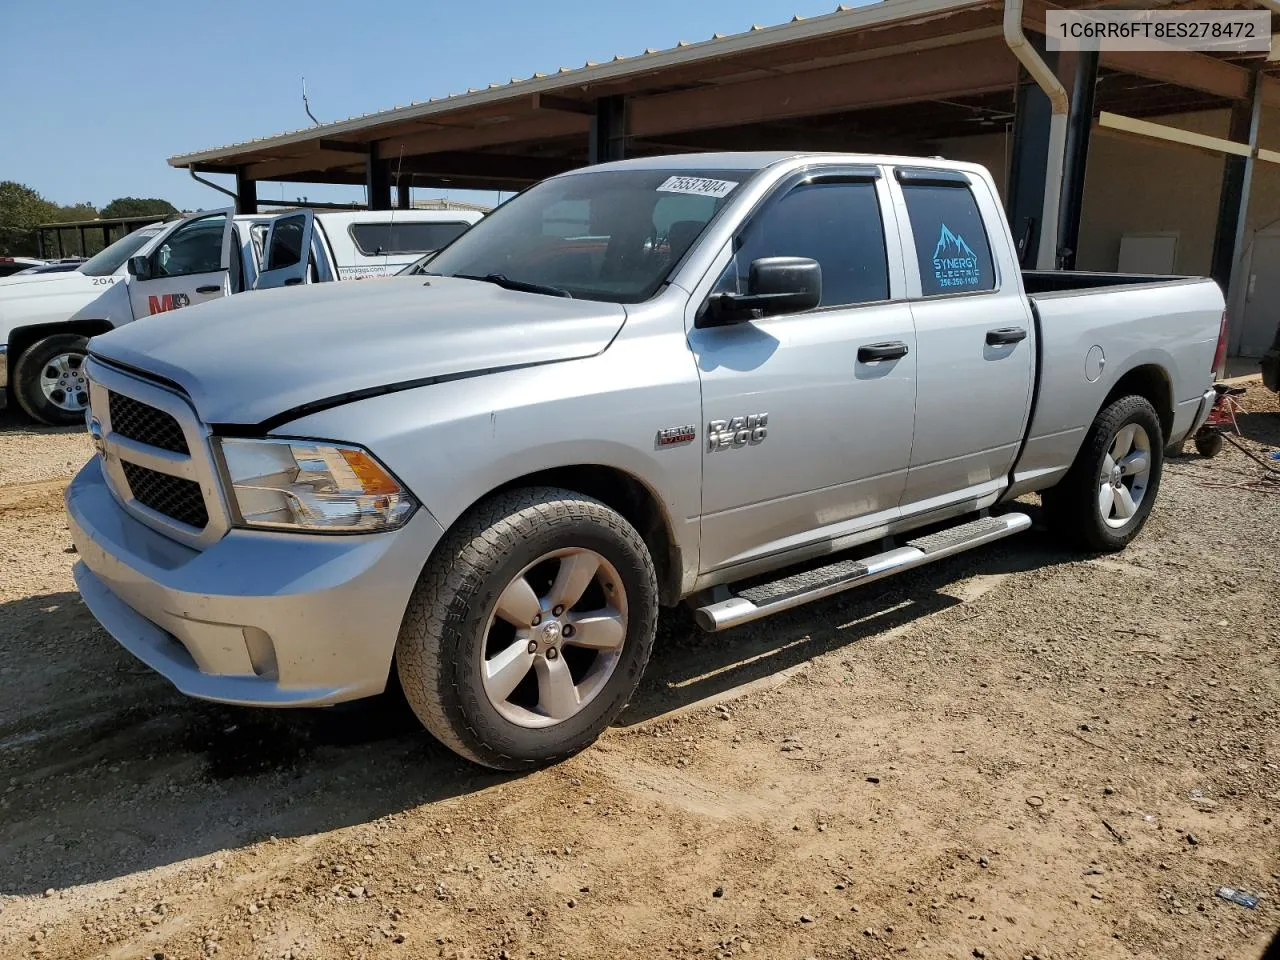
775	285
140	267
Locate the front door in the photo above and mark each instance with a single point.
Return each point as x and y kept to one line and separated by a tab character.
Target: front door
286	252
976	341
1262	297
188	265
807	418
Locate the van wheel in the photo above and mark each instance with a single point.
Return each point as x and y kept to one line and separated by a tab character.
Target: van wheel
1105	498
50	382
529	628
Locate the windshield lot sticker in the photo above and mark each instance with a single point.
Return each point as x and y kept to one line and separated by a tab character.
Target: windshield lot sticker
954	264
698	186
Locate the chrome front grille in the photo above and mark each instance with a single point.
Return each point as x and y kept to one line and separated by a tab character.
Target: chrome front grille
138	421
156	455
163	493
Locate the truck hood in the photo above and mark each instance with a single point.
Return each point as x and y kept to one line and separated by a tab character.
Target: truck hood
50	298
21	285
255	356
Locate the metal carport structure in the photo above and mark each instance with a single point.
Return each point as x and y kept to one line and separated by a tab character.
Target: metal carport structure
900	75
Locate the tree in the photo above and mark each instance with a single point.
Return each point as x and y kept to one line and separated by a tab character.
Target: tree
137	207
21	208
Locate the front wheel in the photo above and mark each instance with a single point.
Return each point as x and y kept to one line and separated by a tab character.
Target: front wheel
529	628
1105	498
50	381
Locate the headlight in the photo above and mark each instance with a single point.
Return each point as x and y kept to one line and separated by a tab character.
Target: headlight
312	486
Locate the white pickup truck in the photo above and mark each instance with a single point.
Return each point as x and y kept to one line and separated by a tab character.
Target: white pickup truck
46	319
741	381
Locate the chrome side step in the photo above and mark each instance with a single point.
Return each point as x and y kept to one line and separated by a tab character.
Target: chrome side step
800	588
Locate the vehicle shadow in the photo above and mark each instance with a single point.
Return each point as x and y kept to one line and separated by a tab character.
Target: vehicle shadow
109	771
689	666
1261	426
15	422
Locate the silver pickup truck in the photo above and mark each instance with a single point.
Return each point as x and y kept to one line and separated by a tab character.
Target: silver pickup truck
738	381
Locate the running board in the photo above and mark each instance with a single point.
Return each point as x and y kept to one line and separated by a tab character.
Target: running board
766	599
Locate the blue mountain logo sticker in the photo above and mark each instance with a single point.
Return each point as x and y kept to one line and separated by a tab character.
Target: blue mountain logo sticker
954	262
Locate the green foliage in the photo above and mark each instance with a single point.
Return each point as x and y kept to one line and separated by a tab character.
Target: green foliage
137	207
21	208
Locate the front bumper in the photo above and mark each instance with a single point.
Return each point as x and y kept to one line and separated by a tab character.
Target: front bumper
258	618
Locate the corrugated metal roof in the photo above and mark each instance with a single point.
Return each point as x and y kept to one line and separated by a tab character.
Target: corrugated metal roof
843	18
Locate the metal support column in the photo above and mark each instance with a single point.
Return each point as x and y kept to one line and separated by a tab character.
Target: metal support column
1227	265
608	134
246	192
1025	200
402	195
1079	127
377	180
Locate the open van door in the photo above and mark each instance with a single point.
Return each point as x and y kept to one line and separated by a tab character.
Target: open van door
189	263
286	251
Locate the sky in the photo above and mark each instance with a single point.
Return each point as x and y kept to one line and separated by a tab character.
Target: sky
96	96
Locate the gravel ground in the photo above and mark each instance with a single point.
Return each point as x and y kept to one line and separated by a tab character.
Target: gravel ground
1015	753
30	453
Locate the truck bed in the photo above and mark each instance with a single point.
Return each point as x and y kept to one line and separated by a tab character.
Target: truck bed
1091	329
1075	281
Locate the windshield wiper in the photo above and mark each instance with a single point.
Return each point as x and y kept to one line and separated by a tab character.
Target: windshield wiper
507	283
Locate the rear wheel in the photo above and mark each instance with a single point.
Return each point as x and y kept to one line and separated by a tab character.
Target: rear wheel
529	628
1105	498
50	381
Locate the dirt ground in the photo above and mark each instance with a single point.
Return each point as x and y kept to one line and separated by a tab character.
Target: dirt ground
1015	753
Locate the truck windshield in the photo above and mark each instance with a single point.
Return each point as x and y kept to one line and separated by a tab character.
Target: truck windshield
110	259
610	235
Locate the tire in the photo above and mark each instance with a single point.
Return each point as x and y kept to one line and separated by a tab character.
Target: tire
1208	442
466	615
1074	508
59	358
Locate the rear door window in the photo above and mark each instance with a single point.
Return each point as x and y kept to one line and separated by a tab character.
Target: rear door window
381	239
951	242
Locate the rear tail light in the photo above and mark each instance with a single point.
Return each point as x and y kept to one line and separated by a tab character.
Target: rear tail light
1220	355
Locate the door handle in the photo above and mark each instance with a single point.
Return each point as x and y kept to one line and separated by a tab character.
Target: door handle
1004	336
892	350
212	288
293	281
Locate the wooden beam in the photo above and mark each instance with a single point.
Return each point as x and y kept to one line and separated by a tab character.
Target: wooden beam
319	160
548	101
343	146
1270	156
981	67
1271	85
494	166
531	128
1183	68
1114	122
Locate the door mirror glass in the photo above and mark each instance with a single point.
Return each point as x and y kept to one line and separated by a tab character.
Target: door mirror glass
140	267
775	285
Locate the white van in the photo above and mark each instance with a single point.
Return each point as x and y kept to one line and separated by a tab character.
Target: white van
46	318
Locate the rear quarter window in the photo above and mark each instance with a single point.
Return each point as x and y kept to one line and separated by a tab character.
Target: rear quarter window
381	239
951	242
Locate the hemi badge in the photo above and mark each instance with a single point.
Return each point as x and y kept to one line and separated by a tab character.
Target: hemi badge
670	436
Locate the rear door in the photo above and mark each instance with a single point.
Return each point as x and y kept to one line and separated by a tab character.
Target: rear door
190	264
975	337
286	256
